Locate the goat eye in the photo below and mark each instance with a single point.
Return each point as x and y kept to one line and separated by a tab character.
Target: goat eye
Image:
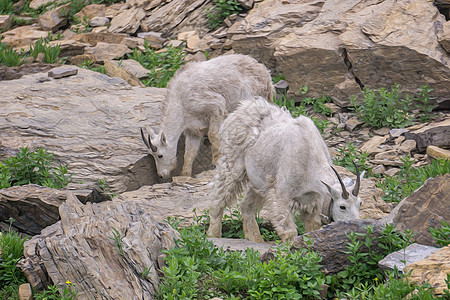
160	155
342	207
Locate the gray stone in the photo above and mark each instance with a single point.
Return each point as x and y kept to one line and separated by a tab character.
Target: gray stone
25	292
407	146
90	122
424	208
392	172
5	22
99	21
239	245
34	207
371	146
105	51
127	21
81	249
53	19
401	258
382	131
335	47
135	68
352	123
433	134
62	72
330	242
394	133
444	39
155	39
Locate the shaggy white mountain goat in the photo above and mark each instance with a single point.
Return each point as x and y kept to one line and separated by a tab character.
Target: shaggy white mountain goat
199	97
284	165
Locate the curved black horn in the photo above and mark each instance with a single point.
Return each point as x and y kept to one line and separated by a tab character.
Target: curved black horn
148	142
344	191
358	181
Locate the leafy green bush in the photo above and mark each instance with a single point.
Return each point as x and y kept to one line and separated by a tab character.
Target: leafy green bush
9	56
384	108
410	178
11	246
161	65
196	269
51	54
364	257
33	167
423	100
348	154
90	65
221	10
6	7
52	293
442	234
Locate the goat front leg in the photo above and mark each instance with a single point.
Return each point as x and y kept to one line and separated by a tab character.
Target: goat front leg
249	206
192	145
280	215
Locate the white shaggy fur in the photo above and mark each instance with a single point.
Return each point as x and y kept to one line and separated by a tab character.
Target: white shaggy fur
284	164
199	97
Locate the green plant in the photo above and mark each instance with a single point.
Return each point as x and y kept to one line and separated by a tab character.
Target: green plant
105	188
161	65
10	57
118	241
318	104
11	246
33	167
410	178
384	108
38	47
196	269
6	7
90	65
346	155
423	99
221	10
442	234
276	78
52	293
364	252
51	54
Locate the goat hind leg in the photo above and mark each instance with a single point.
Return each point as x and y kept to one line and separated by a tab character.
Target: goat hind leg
213	137
192	145
249	206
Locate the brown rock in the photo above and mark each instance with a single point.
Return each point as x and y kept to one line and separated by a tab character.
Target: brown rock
433	134
192	41
352	123
407	146
382	131
23	36
91	11
133	42
392	172
127	21
62	72
370	44
183	36
114	70
10	73
92	38
154	39
34	207
54	19
105	51
135	68
99	21
424	208
35	4
330	242
371	146
25	292
432	270
78	60
438	153
178	16
5	22
80	249
444	39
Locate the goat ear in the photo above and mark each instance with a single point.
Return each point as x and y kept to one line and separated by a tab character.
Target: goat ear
334	193
163	138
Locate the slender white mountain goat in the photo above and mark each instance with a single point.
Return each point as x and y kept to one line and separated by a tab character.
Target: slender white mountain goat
284	165
199	97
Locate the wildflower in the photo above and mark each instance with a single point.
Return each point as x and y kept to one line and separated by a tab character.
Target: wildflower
68	282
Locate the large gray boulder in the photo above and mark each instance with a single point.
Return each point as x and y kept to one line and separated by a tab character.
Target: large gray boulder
336	47
105	249
90	122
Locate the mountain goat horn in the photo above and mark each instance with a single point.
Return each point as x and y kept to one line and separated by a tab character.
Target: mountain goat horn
148	142
358	181
344	191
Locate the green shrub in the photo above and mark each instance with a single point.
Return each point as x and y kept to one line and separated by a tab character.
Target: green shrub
442	234
196	269
384	108
33	167
10	57
90	65
161	65
348	154
423	100
364	257
11	246
6	7
52	293
221	10
410	178
51	54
